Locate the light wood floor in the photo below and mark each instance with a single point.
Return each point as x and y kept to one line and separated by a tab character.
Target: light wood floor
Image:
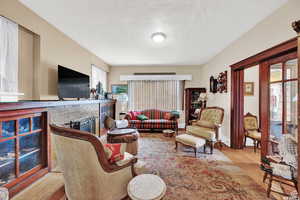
50	187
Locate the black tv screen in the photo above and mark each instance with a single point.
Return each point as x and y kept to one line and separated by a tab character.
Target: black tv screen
72	84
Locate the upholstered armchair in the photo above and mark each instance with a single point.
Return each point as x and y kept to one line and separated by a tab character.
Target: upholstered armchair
252	130
87	173
208	126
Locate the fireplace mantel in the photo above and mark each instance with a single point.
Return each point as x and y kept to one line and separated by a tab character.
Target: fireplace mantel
47	103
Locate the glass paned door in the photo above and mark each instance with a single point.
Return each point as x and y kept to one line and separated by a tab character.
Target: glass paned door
283	90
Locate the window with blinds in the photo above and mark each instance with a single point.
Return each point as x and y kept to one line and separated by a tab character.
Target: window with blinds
155	94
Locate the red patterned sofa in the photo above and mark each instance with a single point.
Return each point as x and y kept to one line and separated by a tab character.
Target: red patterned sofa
157	119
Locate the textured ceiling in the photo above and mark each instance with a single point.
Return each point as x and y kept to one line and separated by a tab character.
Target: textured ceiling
119	31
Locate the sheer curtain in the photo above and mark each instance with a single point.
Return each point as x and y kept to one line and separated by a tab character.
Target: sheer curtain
8	55
99	74
160	94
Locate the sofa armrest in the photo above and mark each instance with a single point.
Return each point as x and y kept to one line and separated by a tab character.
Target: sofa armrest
127	117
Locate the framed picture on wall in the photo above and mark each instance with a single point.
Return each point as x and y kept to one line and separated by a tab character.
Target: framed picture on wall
249	88
119	88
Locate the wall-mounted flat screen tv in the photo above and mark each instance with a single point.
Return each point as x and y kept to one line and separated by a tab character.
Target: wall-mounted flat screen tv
72	84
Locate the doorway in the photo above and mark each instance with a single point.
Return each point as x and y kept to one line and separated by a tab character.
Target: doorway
237	91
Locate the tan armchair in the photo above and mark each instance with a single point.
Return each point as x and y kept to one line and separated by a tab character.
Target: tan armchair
87	173
208	125
252	130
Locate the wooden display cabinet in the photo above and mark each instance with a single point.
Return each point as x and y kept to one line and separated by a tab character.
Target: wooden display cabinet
192	103
24	148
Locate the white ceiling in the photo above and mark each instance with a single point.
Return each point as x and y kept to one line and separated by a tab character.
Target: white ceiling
119	31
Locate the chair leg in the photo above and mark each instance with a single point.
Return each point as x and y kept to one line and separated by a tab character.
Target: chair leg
296	185
245	141
265	177
195	149
270	186
176	145
211	147
254	143
204	148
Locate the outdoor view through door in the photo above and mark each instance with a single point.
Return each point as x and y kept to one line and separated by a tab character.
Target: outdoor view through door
283	90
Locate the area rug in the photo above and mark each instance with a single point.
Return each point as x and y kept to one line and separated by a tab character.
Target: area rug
207	177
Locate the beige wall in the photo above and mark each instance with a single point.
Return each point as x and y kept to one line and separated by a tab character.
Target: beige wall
115	72
55	48
251	103
26	63
273	30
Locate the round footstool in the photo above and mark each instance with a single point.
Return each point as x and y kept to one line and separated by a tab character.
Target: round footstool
146	187
3	193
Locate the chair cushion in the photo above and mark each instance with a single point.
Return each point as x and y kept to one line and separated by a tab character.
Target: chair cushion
254	134
127	158
114	152
206	124
206	133
190	140
281	170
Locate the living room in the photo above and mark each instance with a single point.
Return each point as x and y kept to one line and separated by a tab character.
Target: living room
200	102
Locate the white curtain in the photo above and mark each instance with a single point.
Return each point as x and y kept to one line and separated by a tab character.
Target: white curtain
8	55
165	95
99	74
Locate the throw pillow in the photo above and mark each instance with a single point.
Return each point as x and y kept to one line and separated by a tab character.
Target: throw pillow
142	117
134	114
167	116
114	152
175	114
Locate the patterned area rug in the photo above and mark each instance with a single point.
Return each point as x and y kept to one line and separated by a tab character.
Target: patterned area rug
207	177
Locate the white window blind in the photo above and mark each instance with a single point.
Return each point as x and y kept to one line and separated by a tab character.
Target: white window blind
8	55
98	74
158	94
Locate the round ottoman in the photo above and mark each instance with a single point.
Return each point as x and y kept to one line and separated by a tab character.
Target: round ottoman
3	193
146	187
122	136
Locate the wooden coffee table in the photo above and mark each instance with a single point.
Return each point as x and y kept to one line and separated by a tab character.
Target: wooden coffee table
146	187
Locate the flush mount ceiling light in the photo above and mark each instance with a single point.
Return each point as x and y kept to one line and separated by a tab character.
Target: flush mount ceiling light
158	37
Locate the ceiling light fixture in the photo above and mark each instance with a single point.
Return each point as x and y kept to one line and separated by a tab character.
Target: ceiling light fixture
158	37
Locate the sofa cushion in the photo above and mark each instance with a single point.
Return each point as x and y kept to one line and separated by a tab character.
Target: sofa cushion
206	133
190	140
167	116
153	124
